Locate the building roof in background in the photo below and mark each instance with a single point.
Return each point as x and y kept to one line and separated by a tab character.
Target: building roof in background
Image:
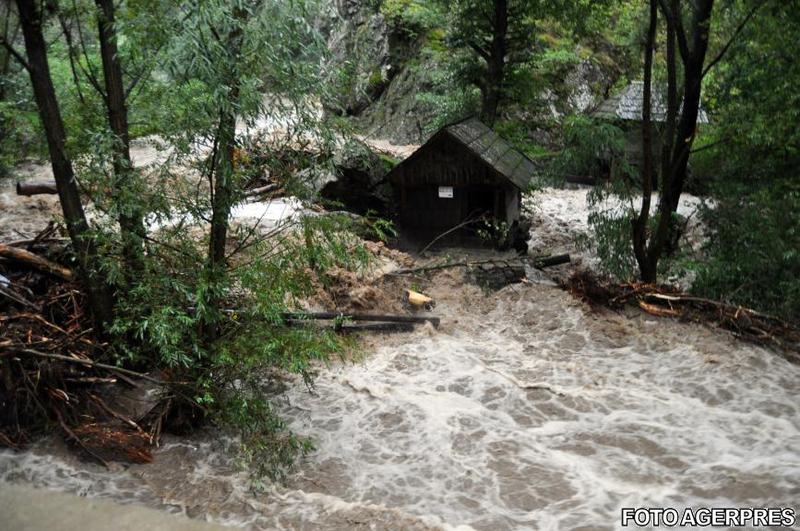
627	105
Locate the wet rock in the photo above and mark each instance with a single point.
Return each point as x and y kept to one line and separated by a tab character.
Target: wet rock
358	38
357	181
497	276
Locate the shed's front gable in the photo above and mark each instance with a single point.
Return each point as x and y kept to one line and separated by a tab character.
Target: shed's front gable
465	152
463	172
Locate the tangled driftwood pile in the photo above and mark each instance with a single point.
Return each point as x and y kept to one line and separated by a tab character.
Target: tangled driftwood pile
54	370
667	301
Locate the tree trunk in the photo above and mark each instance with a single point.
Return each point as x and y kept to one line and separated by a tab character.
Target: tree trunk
674	173
672	93
9	35
130	213
45	96
223	189
492	91
640	224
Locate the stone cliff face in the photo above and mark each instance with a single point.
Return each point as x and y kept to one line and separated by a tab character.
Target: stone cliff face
382	70
378	83
358	38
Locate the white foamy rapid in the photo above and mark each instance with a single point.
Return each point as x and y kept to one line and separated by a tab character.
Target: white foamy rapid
561	217
526	410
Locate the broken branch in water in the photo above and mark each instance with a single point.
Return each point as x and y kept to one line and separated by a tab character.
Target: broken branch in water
85	362
374	327
665	301
35	261
524	387
329	316
19	299
262	190
468	221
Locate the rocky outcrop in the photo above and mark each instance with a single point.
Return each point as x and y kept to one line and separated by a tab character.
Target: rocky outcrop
355	180
377	68
399	115
359	41
382	68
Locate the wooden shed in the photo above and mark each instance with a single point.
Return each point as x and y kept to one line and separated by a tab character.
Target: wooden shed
464	171
625	109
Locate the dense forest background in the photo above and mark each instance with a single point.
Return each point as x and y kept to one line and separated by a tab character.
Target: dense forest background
80	80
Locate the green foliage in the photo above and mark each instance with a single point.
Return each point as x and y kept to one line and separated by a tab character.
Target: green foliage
517	133
379	228
20	135
754	249
493	232
216	330
754	101
751	166
413	17
541	43
589	146
611	210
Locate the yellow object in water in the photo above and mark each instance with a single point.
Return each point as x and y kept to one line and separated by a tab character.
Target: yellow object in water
418	299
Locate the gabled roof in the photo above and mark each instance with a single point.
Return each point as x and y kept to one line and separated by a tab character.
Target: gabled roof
488	146
627	105
493	150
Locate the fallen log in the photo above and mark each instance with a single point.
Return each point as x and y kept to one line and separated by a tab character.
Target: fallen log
262	190
37	187
329	316
581	179
36	242
35	261
537	262
351	328
549	261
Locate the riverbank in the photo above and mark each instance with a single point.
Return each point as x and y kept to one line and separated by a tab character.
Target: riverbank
24	508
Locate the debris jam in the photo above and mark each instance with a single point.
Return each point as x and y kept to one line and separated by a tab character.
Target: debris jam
527	408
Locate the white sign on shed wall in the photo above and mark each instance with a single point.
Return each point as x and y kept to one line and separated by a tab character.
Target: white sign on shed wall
446	192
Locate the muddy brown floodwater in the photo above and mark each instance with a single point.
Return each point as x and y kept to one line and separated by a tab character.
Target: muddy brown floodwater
24	217
526	410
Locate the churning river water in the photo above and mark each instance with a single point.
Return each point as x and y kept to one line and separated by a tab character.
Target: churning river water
525	410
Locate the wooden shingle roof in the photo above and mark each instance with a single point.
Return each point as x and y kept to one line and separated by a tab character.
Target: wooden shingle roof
627	105
493	150
474	137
